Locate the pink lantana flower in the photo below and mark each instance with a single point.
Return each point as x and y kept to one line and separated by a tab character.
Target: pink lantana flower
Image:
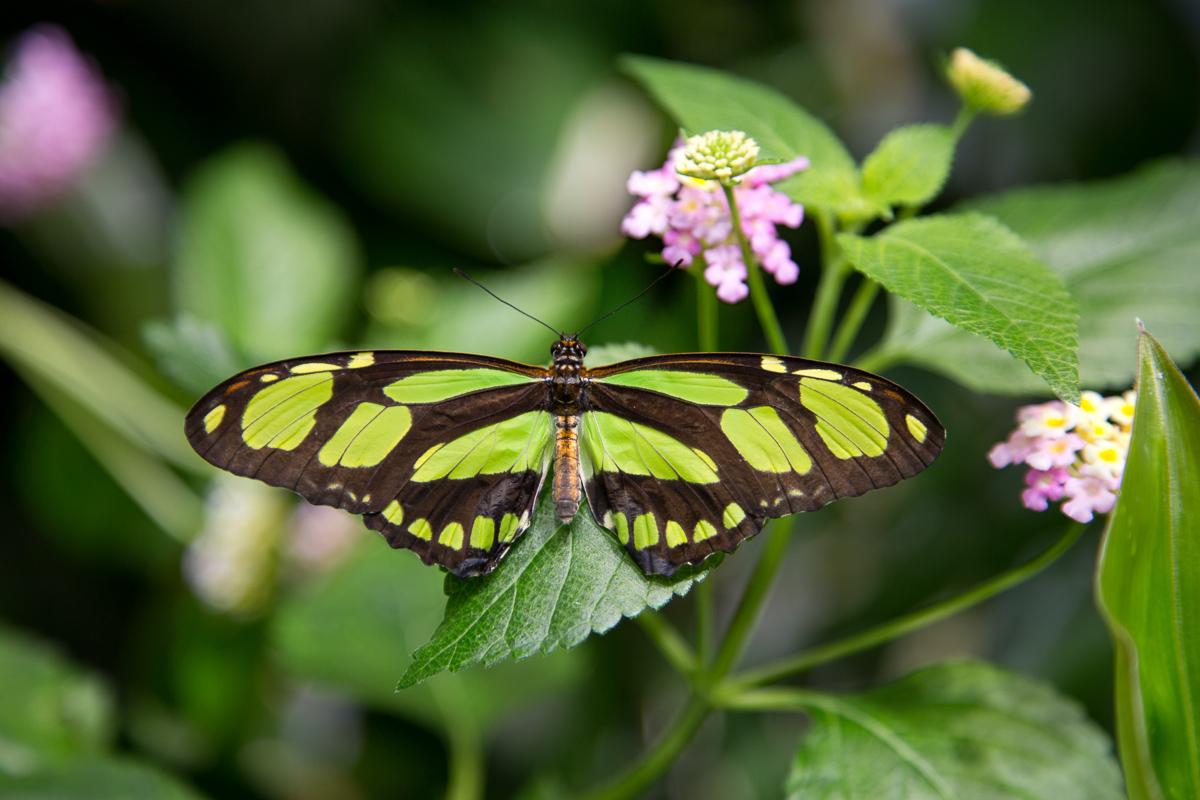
56	118
691	216
1075	454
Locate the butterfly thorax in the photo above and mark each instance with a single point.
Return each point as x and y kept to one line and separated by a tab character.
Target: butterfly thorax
567	383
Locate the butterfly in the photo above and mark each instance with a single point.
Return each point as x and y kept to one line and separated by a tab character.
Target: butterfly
678	456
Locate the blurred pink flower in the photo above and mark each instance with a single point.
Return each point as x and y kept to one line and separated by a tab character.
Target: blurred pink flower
692	218
1089	495
56	117
1073	453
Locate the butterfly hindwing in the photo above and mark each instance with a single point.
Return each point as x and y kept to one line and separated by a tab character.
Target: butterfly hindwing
685	455
442	453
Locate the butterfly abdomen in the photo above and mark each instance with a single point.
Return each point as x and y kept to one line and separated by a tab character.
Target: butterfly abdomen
567	486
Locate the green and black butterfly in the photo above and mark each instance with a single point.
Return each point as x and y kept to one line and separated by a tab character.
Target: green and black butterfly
680	456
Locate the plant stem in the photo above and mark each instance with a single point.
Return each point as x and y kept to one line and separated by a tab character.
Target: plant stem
864	297
464	743
669	642
909	622
829	288
753	597
758	290
706	313
961	120
658	759
791	698
704	622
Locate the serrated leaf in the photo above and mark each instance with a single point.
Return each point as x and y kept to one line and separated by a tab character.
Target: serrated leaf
96	779
1148	584
1125	248
194	354
910	165
702	99
558	585
356	627
50	710
262	256
954	731
976	274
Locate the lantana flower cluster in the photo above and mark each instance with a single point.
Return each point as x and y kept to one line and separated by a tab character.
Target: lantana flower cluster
1075	454
691	215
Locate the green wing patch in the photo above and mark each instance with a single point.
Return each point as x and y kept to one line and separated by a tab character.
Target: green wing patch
441	453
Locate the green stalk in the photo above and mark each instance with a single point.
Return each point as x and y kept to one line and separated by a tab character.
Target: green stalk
669	642
829	288
758	290
706	312
707	340
658	759
962	120
893	629
704	622
753	597
864	296
464	742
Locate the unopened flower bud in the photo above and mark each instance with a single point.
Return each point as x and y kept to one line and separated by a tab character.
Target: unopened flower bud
717	156
985	85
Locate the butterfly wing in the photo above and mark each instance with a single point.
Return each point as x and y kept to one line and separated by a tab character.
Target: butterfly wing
686	455
442	453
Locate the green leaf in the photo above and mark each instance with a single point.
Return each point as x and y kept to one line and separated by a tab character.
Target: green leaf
702	99
558	585
1148	584
356	627
263	257
978	275
96	779
50	710
910	165
954	731
194	354
1125	248
42	342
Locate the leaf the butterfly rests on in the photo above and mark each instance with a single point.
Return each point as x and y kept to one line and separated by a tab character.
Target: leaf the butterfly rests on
680	456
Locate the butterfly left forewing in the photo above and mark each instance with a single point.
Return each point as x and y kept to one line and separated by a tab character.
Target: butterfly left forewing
442	453
782	435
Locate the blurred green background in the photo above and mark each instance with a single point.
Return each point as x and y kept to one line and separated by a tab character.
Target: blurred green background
292	177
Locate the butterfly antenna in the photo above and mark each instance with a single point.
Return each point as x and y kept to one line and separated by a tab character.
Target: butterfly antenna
635	298
462	274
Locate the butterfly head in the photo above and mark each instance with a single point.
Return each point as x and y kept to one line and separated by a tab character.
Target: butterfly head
568	350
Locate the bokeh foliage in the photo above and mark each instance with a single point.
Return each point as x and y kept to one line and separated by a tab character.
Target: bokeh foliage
313	187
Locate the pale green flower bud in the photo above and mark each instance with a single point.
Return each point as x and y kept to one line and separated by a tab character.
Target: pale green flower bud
717	156
985	85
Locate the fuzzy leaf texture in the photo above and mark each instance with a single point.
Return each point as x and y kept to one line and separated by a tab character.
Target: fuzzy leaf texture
1148	585
954	731
702	99
978	275
1125	247
910	165
263	257
558	585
